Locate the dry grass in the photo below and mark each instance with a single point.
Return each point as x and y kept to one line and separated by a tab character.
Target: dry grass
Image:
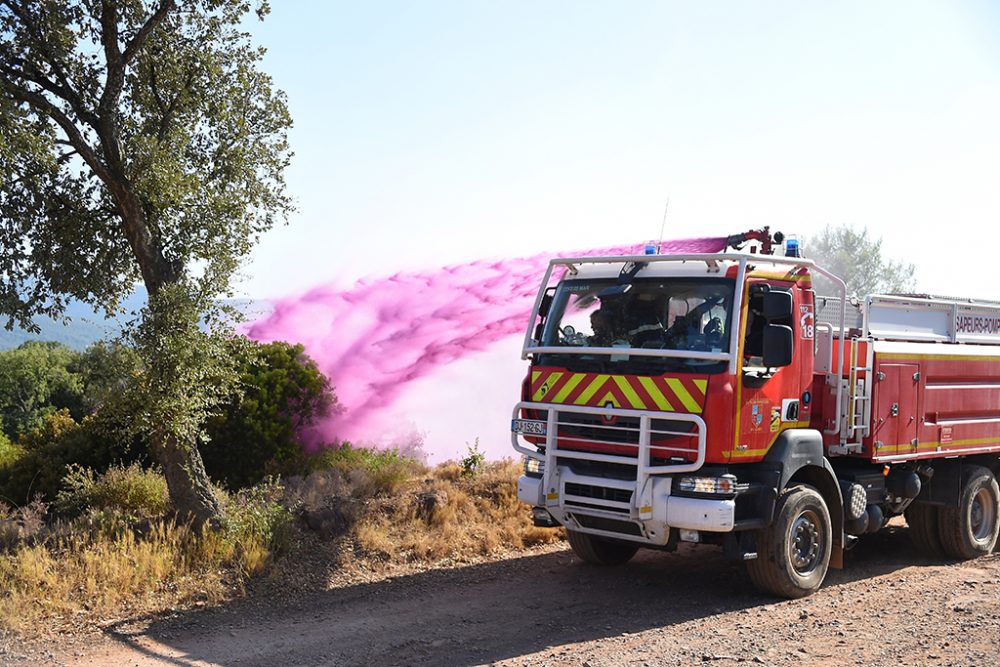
103	566
394	515
106	575
450	516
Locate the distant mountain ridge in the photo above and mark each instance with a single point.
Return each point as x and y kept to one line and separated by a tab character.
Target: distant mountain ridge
85	326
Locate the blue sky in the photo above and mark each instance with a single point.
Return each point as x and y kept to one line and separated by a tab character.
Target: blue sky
430	133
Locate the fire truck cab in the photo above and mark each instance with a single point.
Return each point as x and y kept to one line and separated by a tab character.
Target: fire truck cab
715	398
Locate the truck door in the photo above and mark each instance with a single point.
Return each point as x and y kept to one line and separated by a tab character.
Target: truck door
770	400
895	415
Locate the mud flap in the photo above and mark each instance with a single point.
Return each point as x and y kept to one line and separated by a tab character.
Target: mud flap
740	546
837	556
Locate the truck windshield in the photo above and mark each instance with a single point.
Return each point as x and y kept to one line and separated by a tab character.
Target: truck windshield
650	313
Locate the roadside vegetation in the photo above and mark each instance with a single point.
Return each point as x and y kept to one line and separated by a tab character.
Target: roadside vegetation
88	534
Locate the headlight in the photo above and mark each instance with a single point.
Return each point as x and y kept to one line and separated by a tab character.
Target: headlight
722	485
533	467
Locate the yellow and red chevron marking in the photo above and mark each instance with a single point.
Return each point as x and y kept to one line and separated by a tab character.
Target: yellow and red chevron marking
683	393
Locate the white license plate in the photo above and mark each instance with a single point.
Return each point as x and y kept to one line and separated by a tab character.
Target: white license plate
528	426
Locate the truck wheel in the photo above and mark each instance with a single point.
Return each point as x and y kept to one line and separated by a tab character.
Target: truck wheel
793	553
970	530
600	551
924	533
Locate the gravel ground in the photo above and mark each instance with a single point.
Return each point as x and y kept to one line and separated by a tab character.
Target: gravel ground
889	606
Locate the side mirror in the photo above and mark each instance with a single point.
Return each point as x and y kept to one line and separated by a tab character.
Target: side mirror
545	305
778	345
777	304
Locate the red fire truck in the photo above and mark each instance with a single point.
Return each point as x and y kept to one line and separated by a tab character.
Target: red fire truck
719	399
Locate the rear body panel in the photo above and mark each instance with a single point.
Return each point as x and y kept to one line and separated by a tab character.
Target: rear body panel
948	397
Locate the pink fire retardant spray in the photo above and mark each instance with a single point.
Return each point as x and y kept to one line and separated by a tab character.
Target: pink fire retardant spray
377	337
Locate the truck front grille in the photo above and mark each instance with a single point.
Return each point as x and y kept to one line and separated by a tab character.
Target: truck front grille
598	492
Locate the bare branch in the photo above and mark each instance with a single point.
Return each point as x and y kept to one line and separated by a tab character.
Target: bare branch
168	112
64	93
73	134
107	128
65	157
154	88
140	38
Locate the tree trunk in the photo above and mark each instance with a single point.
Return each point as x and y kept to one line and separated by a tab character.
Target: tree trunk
190	491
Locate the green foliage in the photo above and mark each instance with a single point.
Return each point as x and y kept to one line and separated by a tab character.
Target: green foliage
39	462
857	259
347	457
62	427
283	392
186	374
129	490
9	452
472	464
106	370
125	402
37	379
40	378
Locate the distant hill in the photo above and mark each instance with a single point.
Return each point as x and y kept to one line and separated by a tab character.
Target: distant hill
85	326
77	333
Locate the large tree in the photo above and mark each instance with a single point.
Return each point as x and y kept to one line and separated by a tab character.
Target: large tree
139	141
858	260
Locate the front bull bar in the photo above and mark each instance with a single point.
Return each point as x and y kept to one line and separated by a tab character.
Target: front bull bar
642	499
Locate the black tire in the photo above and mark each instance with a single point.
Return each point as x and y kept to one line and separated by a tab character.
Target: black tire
600	551
924	532
970	530
793	553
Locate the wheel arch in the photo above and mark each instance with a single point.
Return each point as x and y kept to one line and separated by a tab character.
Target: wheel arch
798	453
990	461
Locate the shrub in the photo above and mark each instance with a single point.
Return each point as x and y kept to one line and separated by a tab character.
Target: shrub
9	452
258	525
369	471
129	490
99	566
474	461
283	392
24	523
45	452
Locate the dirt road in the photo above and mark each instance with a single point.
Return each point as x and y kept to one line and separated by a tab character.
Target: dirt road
888	607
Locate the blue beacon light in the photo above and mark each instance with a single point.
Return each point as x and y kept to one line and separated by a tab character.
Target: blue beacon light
792	248
650	249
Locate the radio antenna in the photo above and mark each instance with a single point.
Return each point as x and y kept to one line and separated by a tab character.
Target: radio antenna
659	244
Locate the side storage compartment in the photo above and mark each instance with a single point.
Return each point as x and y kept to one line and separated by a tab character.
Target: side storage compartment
895	409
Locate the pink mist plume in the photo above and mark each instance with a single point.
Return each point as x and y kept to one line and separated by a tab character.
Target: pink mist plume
376	337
